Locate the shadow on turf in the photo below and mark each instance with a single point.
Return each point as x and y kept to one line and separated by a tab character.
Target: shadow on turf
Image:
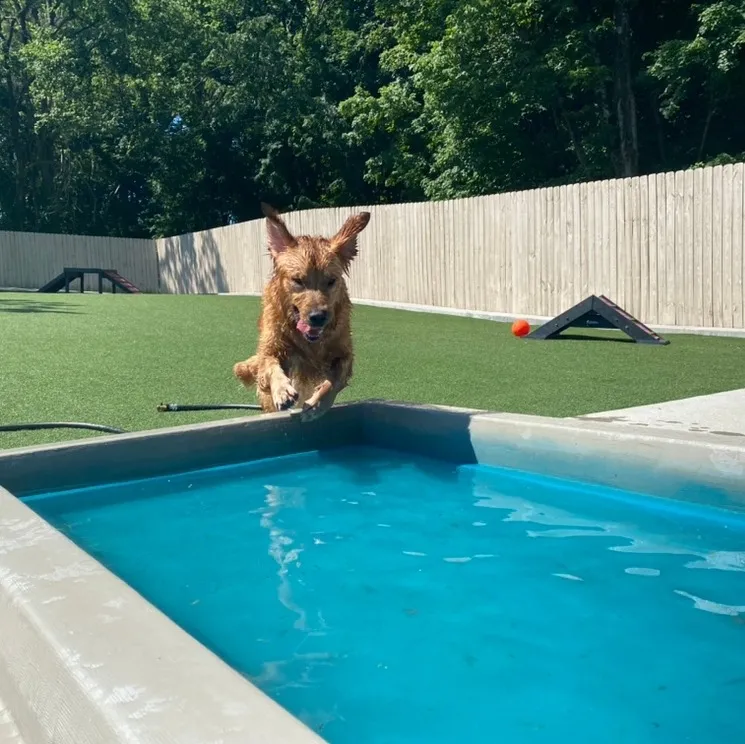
36	306
581	337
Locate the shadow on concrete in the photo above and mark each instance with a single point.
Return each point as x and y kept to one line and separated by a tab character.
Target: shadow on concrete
24	307
192	264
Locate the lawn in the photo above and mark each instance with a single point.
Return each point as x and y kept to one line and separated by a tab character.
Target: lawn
110	359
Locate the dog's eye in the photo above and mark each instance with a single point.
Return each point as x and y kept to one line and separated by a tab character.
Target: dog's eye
331	282
297	283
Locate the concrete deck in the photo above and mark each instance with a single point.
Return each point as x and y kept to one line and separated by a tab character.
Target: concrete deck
720	413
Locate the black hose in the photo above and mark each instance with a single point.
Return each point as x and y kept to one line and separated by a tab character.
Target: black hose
171	407
175	407
60	425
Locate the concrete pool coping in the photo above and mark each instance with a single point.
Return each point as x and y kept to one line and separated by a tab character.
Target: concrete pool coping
716	413
86	659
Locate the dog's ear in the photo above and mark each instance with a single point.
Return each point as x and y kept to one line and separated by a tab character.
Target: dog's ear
345	241
278	236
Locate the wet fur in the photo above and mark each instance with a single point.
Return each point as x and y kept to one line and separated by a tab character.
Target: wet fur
287	367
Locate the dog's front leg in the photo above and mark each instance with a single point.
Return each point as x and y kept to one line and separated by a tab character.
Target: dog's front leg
322	399
325	394
276	392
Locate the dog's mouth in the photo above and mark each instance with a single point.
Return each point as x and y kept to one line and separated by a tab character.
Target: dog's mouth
310	333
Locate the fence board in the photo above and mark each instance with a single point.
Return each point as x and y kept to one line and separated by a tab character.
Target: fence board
727	208
678	274
689	314
643	247
707	249
738	235
653	228
698	248
716	257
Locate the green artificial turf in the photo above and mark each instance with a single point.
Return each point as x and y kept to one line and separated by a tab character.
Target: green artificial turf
110	359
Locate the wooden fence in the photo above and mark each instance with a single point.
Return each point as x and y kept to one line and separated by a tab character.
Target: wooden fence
667	247
29	260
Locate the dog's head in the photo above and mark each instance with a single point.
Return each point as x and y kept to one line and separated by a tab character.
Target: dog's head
311	270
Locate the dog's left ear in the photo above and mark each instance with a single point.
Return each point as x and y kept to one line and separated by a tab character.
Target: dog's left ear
344	243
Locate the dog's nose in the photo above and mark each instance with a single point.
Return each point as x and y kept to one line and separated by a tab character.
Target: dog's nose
318	318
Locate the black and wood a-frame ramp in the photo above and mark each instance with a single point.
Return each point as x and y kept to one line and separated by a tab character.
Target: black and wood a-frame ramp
597	312
69	275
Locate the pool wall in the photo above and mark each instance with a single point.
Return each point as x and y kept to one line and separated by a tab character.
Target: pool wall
108	459
701	467
86	659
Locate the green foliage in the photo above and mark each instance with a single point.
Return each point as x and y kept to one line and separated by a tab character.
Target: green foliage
137	117
710	62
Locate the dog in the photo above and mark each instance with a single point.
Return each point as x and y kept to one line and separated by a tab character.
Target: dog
304	351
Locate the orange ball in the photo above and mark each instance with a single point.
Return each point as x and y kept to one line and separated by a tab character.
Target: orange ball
520	328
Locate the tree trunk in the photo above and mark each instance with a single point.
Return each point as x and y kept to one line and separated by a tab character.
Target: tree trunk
562	121
705	133
625	99
654	105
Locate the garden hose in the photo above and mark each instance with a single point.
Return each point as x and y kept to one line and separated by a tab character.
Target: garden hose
175	407
163	407
60	425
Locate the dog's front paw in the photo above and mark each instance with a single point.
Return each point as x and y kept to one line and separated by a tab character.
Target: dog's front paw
313	411
322	399
284	395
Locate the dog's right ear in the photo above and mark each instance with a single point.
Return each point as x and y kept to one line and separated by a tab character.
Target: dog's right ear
278	236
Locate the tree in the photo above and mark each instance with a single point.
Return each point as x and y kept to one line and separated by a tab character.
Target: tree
137	117
703	81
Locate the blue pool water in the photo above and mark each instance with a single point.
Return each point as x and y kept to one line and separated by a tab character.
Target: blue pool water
392	600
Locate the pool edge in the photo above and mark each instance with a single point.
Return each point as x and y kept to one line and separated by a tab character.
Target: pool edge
93	461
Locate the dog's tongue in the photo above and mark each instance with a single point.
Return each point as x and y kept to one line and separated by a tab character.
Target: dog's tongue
303	327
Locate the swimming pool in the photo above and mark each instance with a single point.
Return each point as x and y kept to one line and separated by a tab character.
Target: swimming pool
405	578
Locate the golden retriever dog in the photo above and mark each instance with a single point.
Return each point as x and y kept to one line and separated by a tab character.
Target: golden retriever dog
304	351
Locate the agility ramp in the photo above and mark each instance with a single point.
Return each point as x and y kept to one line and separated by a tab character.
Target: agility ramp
70	275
